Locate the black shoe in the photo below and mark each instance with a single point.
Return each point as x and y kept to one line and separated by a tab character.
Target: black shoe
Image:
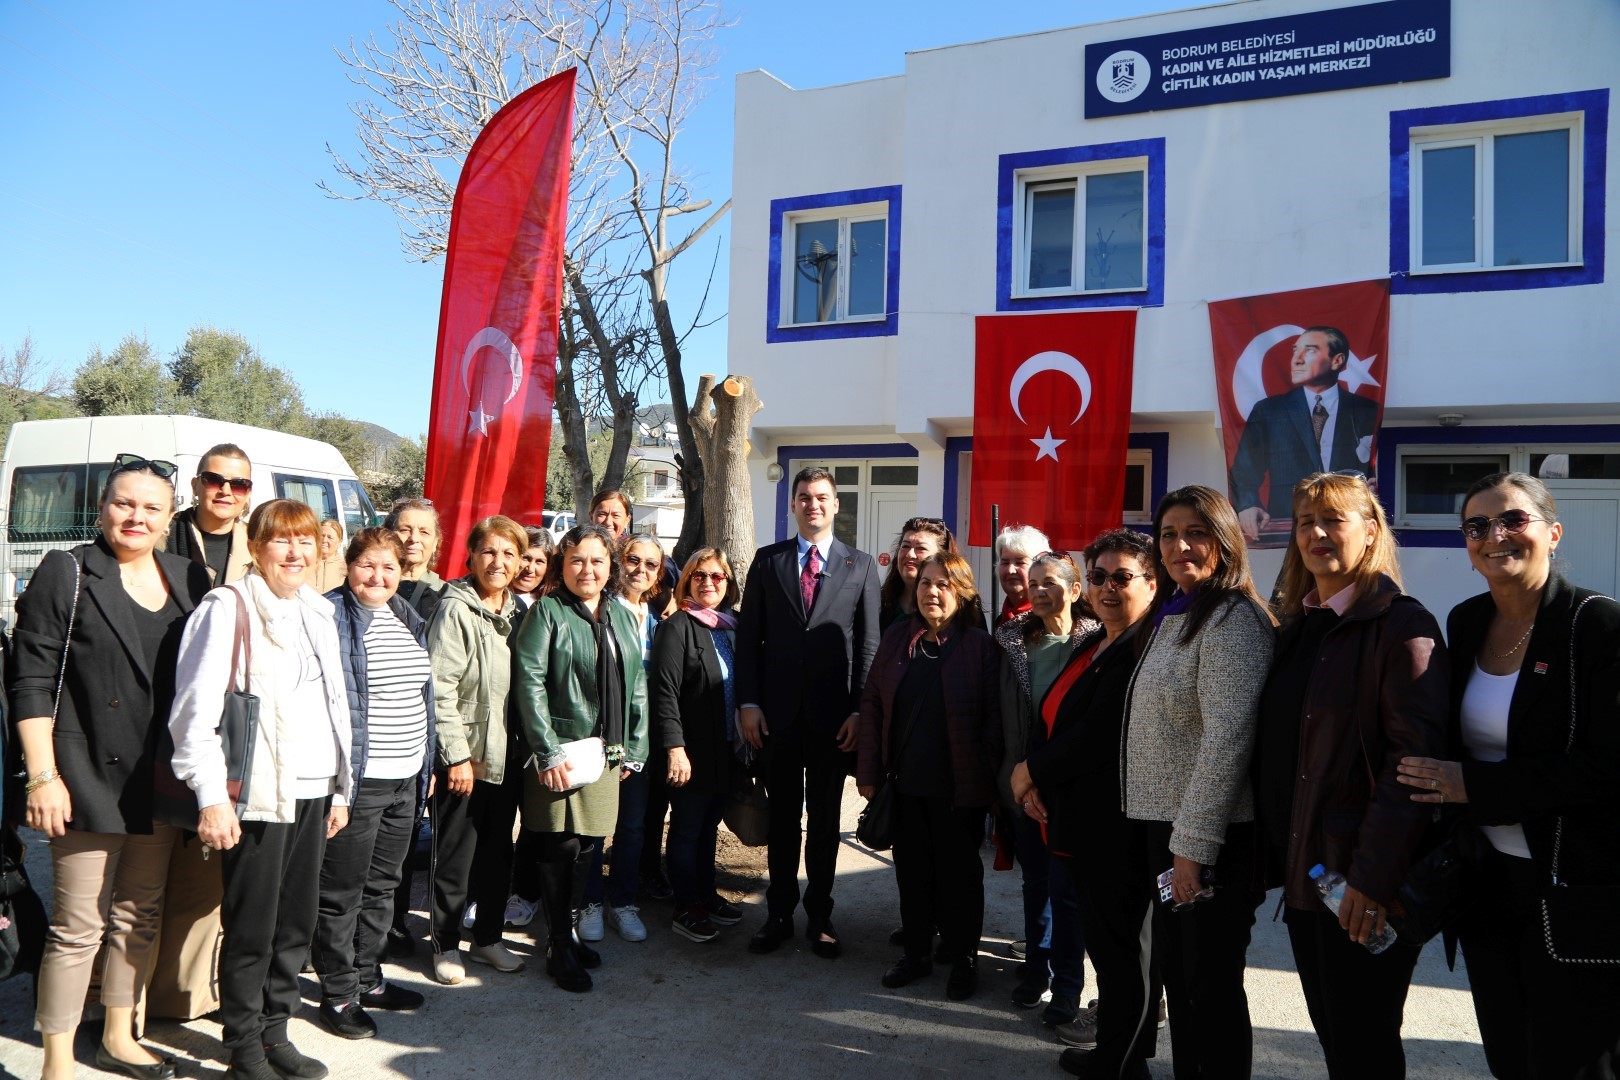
589	958
391	998
289	1064
562	964
252	1070
1060	1010
401	946
723	912
964	979
162	1069
348	1020
1075	1062
1031	988
658	886
907	971
827	950
777	929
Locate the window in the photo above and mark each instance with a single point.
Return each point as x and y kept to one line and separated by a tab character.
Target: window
835	265
1433	479
358	512
56	503
1081	227
312	492
1493	195
1138	487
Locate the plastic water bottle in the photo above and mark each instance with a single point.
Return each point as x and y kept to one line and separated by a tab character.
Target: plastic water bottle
1330	885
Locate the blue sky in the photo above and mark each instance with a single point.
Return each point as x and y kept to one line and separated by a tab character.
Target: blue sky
162	161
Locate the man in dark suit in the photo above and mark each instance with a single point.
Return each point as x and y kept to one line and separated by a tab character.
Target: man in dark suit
806	636
1315	427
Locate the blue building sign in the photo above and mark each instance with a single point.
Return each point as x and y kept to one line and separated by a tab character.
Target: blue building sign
1339	49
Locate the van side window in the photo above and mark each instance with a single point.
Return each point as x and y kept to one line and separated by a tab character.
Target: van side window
312	491
55	502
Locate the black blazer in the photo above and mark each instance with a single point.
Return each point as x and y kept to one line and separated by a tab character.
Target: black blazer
109	726
688	701
788	662
1076	770
1543	776
1278	442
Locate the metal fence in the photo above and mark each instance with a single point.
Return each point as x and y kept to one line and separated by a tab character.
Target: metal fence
25	539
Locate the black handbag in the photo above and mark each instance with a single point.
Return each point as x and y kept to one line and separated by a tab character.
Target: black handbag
239	720
23	924
748	813
875	829
1441	886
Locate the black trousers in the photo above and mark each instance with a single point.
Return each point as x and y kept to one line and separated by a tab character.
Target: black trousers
1116	911
939	874
472	859
272	881
359	874
658	809
1538	1018
1202	956
803	768
1356	1000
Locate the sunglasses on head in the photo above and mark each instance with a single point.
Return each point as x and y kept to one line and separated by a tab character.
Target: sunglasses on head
1121	579
213	481
136	463
1512	521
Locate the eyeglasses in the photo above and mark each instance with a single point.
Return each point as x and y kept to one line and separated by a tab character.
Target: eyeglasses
1512	521
637	560
706	577
1121	579
136	463
213	481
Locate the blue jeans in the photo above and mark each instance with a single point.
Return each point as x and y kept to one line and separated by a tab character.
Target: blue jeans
1068	942
628	834
1033	856
694	822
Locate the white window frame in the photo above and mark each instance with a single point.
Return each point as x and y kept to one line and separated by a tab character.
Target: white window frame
846	216
1144	458
1482	136
1518	460
1074	173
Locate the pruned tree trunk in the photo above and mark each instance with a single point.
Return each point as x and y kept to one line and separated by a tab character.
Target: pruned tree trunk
575	444
720	425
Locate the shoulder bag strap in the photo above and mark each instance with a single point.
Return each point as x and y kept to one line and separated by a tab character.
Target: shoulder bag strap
67	640
242	647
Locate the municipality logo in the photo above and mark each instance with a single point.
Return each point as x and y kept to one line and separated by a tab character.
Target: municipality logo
1124	75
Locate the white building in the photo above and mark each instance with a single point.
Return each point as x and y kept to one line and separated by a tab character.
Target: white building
933	173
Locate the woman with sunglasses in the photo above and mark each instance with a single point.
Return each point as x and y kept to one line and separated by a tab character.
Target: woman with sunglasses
1189	734
91	682
577	675
212	531
1535	762
642	558
920	539
930	724
1036	645
694	708
298	791
1360	680
1069	783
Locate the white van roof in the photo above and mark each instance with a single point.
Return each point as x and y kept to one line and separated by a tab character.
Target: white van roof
101	438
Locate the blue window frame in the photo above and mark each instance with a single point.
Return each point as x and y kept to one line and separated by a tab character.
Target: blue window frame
1081	227
834	266
1497	195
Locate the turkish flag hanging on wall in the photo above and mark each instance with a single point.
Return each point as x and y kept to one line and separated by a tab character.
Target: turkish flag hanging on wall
1267	399
496	366
1051	419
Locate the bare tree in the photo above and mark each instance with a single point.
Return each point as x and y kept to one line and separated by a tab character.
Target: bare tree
448	66
720	425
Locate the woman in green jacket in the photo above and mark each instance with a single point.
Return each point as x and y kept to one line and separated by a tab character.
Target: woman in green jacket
577	675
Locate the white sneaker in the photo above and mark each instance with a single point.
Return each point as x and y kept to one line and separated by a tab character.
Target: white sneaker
627	921
470	917
448	968
590	923
497	956
520	912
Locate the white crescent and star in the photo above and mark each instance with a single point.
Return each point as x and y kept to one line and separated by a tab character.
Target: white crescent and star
1248	383
489	338
1063	364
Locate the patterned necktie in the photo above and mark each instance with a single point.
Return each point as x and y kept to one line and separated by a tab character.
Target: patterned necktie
808	578
1319	419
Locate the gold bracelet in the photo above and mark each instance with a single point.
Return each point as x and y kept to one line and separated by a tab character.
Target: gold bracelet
37	782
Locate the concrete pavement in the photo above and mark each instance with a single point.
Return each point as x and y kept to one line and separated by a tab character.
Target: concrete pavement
673	1009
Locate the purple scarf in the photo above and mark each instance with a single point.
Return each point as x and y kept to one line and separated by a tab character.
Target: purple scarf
713	618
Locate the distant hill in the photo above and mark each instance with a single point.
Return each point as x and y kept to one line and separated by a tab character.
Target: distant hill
379	440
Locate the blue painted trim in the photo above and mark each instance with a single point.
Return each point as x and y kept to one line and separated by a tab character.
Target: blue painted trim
1594	161
1008	168
785	454
889	325
1391	439
1158	481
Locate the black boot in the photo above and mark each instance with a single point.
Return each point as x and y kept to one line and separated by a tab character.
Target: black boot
588	957
562	964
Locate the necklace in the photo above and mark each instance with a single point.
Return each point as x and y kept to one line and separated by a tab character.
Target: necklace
1517	644
922	647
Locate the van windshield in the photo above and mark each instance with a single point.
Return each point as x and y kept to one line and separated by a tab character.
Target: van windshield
56	502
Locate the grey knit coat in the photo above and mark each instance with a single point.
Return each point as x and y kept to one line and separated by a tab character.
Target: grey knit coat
1190	726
